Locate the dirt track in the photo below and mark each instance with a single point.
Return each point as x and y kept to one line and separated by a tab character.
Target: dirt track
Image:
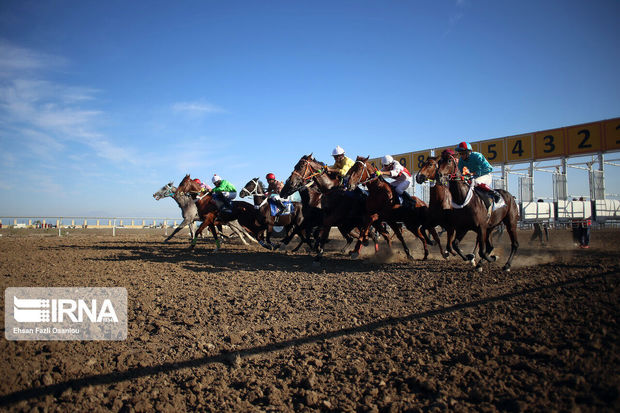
250	330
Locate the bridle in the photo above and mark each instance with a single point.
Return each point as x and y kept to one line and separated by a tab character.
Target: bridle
454	176
306	169
169	192
255	181
371	176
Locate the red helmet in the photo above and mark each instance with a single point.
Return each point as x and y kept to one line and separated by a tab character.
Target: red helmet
270	176
447	152
463	146
197	181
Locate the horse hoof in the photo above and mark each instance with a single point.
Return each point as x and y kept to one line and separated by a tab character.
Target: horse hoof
473	262
479	269
470	257
506	268
493	258
354	255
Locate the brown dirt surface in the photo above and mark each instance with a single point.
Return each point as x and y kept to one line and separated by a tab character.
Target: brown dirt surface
246	329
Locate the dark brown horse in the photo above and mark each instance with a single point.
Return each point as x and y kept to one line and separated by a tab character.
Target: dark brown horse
469	213
338	208
382	205
243	212
440	199
291	222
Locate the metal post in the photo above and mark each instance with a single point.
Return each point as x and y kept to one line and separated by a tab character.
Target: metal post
114	228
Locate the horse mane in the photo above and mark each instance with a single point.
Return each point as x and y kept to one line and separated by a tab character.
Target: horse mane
262	185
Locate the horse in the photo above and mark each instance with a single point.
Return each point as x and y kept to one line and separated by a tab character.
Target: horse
292	221
382	205
243	212
337	207
187	205
469	213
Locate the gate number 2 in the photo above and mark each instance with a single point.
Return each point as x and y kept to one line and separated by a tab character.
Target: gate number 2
586	136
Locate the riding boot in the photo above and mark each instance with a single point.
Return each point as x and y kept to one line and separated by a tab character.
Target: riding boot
280	205
227	206
407	200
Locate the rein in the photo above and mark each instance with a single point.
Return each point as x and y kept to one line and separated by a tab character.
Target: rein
457	177
306	178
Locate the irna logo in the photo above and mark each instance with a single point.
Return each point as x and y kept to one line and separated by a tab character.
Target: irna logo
28	310
65	313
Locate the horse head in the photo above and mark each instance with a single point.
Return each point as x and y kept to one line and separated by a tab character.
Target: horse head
360	173
448	168
166	190
188	185
303	172
253	187
428	170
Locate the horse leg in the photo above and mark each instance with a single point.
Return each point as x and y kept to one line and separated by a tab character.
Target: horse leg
368	221
348	238
177	229
382	228
214	233
202	226
267	244
399	234
419	233
482	240
458	237
433	231
510	222
450	235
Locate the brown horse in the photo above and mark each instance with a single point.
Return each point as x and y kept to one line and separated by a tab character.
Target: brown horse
382	205
469	213
243	212
440	199
338	208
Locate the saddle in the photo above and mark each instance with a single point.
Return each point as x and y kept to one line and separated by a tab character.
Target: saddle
487	199
288	208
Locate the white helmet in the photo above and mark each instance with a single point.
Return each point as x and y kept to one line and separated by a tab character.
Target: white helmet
215	179
338	151
387	160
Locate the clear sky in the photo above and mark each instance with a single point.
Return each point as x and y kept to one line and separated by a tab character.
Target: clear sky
103	102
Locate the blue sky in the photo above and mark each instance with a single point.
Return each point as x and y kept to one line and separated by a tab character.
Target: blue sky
101	103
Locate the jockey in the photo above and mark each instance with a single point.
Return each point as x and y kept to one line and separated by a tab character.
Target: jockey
342	163
223	193
273	191
479	167
204	187
401	176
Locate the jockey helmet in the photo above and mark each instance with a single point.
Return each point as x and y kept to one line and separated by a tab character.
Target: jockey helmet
337	151
447	152
197	181
463	146
215	179
270	176
387	160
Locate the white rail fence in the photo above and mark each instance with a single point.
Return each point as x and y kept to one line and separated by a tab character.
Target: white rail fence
112	223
